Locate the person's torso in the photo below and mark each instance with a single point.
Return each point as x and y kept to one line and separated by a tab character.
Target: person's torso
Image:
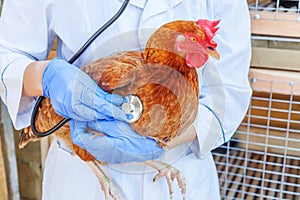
74	23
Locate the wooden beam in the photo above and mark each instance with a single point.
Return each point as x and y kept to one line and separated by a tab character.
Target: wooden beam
275	24
282	59
282	82
258	139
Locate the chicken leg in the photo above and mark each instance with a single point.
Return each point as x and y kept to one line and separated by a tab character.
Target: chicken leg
105	182
170	173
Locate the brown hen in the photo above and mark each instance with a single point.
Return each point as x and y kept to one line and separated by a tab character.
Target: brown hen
165	79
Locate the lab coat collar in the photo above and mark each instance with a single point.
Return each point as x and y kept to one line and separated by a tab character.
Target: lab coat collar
137	3
155	6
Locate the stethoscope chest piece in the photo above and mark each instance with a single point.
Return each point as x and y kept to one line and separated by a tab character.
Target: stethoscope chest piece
132	107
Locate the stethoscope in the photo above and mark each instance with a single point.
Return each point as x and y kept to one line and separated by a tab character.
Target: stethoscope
131	106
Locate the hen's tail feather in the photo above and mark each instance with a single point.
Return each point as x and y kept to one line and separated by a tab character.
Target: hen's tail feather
27	136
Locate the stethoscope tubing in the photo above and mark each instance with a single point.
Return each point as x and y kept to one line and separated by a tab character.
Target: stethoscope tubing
71	61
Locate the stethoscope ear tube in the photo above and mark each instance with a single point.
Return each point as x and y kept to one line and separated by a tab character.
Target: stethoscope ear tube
71	61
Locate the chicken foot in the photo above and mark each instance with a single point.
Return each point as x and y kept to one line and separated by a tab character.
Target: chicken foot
170	173
105	182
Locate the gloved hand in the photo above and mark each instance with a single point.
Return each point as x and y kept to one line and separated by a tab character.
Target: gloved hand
120	144
73	94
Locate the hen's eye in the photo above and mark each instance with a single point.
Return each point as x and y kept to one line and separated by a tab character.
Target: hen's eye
193	39
210	48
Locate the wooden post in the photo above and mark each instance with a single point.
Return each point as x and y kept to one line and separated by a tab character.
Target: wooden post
3	184
9	152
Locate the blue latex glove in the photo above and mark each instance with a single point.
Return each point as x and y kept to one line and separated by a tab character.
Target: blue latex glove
73	94
121	143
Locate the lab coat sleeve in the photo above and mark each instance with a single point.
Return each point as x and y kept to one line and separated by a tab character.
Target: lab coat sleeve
225	91
24	38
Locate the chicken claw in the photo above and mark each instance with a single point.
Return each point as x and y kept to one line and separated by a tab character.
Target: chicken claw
105	182
170	173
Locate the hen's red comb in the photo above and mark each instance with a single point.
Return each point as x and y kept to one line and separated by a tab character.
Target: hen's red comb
210	28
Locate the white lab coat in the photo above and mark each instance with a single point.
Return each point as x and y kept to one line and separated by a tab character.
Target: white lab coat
27	30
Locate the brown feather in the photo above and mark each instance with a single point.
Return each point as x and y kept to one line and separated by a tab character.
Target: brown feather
159	76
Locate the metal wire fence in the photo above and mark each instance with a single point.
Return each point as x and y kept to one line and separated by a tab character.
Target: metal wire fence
262	160
275	9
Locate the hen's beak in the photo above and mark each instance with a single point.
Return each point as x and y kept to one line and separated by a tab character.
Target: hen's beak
214	54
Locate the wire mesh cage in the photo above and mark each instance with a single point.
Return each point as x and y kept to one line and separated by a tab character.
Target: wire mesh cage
262	160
